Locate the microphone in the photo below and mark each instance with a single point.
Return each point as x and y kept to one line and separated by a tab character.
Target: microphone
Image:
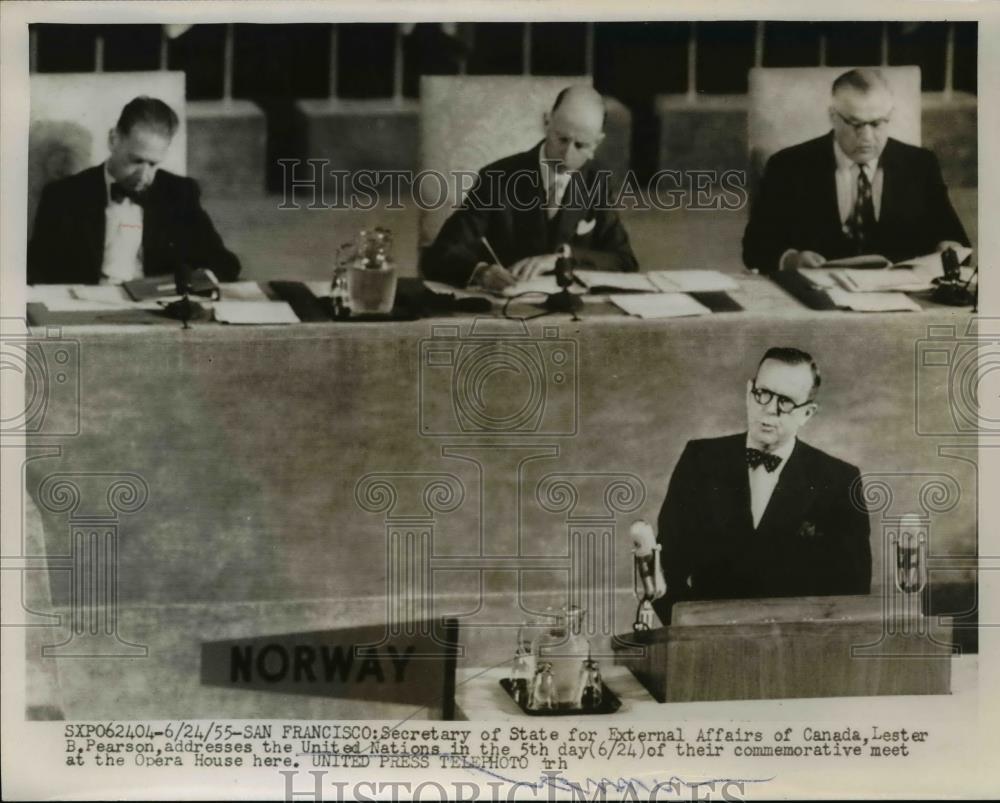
564	300
949	288
185	309
648	580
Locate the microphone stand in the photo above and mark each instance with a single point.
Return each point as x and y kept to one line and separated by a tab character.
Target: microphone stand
949	289
564	300
184	310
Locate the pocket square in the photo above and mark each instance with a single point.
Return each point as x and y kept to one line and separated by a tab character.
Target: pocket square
585	226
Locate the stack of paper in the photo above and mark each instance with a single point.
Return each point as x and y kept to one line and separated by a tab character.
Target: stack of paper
447	290
659	281
873	302
692	281
255	312
659	305
540	284
615	280
241	291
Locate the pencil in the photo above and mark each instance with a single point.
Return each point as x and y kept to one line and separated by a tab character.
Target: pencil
493	253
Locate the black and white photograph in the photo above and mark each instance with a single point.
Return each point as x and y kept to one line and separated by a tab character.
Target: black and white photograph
524	403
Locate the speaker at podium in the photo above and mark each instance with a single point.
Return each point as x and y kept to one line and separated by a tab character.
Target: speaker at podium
791	647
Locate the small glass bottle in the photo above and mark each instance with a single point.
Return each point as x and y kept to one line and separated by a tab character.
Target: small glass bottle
543	691
591	686
522	670
564	645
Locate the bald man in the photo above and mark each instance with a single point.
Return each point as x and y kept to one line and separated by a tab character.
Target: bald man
853	191
533	206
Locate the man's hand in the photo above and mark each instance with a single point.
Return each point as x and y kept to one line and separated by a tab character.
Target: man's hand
530	267
801	259
491	277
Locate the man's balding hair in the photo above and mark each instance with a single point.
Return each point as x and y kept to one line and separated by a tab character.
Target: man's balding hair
566	90
863	79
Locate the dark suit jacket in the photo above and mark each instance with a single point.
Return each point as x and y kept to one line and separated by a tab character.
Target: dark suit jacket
67	244
796	206
812	539
506	204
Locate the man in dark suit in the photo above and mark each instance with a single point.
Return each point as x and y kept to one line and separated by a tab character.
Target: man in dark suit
762	514
532	206
853	191
126	218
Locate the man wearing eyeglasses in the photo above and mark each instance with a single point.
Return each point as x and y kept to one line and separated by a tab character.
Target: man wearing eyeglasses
855	191
761	513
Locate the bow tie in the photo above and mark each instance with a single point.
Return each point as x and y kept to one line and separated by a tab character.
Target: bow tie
755	457
120	193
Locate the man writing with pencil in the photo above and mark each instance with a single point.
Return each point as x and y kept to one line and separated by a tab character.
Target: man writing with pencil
527	210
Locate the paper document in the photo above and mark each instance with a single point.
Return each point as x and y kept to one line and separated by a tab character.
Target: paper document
863	261
692	281
615	280
45	293
241	291
659	305
876	261
447	290
876	281
540	284
102	293
819	277
873	302
254	312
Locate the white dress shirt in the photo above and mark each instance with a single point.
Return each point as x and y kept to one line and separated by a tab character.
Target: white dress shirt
122	238
549	174
846	177
847	183
763	482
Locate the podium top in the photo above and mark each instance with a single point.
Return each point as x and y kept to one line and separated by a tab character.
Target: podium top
859	608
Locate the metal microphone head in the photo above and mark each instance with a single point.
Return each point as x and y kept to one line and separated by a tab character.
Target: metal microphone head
643	537
564	271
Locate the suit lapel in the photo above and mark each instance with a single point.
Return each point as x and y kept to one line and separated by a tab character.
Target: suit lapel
829	207
891	190
93	219
736	481
530	221
792	496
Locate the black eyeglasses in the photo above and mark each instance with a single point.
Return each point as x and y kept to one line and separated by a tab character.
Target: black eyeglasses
857	125
763	397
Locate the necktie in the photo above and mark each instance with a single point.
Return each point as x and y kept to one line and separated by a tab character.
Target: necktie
862	220
120	193
756	457
557	181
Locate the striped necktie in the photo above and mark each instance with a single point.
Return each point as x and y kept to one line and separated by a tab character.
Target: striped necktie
861	223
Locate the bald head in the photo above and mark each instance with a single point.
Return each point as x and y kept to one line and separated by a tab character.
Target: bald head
574	128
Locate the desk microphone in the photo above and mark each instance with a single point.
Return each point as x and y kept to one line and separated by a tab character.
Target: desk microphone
949	288
184	309
564	300
648	580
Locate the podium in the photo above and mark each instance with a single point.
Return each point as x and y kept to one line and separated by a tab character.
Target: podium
791	647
